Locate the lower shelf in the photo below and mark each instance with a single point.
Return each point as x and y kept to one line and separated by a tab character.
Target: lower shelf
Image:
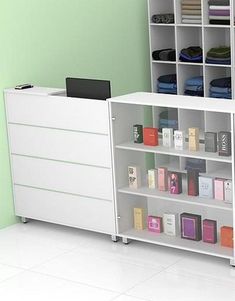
179	243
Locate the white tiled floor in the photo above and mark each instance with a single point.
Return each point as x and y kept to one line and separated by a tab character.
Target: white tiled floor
40	261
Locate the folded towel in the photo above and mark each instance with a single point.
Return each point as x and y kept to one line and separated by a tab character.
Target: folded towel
191	21
187	6
167	91
191	2
219	12
222	7
219	18
191	17
194	81
220	95
194	88
191	12
194	93
167	85
220	90
218	2
225	62
168	78
216	59
219	52
220	22
223	82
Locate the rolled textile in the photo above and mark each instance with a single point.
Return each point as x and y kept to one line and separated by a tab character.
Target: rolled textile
218	2
163	18
223	82
168	78
167	55
155	53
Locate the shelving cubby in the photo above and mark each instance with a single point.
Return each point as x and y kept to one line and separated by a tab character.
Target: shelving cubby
182	35
129	110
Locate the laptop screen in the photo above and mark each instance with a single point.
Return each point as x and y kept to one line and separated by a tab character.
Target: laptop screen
88	88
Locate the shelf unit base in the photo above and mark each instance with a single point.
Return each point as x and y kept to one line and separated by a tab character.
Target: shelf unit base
179	243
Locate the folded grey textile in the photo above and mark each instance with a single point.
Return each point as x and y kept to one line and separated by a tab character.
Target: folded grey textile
219	17
191	7
191	17
191	12
167	55
218	59
218	2
163	18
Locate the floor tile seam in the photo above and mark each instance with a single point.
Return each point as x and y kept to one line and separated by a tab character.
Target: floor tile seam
74	281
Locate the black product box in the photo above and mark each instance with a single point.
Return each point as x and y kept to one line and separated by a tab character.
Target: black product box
224	143
138	133
211	142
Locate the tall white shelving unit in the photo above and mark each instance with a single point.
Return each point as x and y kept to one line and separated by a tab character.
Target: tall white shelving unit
211	115
179	36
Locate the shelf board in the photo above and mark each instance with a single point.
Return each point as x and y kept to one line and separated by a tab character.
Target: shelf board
217	65
201	154
179	243
216	26
178	198
163	62
188	25
190	64
162	24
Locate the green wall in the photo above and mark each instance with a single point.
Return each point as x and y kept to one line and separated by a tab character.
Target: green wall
43	41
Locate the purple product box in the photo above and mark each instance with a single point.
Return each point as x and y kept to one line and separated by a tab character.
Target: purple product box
191	226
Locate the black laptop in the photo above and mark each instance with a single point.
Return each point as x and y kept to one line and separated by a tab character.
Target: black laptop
88	88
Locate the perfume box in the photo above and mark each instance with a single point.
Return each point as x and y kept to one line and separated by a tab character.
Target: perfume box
226	236
167	137
162	179
179	140
152	178
224	143
219	189
206	189
170	224
140	218
151	136
134	177
175	182
209	231
211	142
138	133
192	180
193	139
228	191
191	226
155	224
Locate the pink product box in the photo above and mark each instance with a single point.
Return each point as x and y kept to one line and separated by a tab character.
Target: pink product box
155	224
209	231
219	189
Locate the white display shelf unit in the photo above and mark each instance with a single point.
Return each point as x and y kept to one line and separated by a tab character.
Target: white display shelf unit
180	35
210	115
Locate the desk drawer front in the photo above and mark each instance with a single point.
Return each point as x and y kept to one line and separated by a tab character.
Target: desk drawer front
64	177
77	147
59	112
75	211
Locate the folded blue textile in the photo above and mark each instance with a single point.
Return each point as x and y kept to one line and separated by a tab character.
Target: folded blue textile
194	88
220	90
221	95
194	81
222	62
194	93
167	91
195	59
167	85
